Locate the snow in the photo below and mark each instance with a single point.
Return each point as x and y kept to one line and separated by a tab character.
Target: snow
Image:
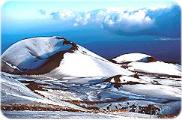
131	57
125	79
35	52
82	65
139	62
156	67
10	65
13	91
141	94
72	115
89	53
82	76
163	81
166	92
56	115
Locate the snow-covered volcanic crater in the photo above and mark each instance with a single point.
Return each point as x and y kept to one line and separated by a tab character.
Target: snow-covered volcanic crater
58	57
54	74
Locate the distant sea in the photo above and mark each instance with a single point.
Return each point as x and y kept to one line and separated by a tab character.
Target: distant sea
165	50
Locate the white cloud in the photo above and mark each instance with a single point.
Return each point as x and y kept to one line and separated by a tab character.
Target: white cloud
129	21
142	21
75	24
106	16
67	14
83	19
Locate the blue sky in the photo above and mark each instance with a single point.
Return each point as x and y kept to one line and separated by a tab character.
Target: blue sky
122	17
28	9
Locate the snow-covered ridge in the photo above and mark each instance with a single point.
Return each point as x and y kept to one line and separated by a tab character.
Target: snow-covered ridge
143	63
131	57
56	57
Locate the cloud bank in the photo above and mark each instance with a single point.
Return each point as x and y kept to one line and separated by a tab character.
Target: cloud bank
164	22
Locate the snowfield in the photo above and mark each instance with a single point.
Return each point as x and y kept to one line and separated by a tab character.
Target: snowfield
51	77
13	91
81	65
90	95
156	67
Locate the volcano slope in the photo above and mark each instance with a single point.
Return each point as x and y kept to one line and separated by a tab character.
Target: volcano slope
53	74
